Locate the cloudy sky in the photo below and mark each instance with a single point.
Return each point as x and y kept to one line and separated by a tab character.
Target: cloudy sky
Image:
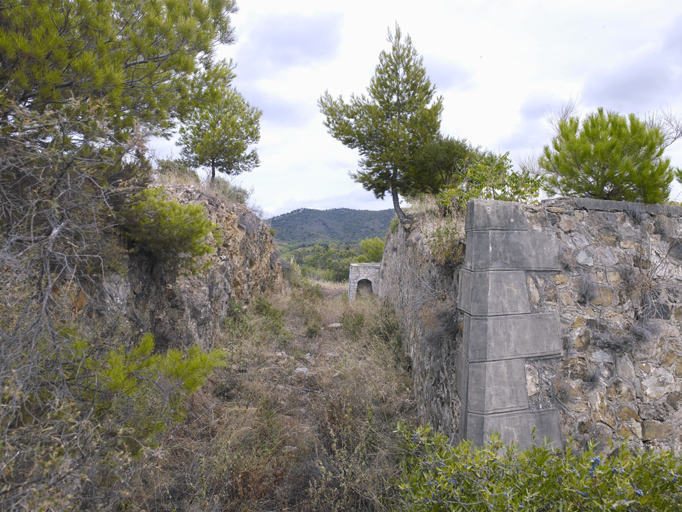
500	66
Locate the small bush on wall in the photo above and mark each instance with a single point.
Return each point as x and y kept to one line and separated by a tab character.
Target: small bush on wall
171	232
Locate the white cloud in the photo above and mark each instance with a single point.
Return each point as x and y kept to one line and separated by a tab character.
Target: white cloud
498	64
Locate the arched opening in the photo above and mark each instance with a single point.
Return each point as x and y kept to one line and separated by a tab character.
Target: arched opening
364	287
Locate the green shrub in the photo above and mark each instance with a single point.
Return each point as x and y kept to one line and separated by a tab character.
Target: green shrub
438	476
372	250
492	177
273	317
608	156
171	232
145	389
393	227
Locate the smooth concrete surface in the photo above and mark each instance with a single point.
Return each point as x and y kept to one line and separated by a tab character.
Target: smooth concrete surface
511	336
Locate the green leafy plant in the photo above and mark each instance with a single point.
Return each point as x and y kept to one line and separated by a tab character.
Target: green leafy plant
438	476
372	250
393	227
492	177
171	232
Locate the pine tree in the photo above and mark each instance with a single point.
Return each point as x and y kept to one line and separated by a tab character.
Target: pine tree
608	156
390	124
136	57
220	125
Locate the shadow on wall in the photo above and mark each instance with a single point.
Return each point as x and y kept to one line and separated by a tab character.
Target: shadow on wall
364	287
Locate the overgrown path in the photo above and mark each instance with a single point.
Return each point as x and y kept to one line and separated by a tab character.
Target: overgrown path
301	418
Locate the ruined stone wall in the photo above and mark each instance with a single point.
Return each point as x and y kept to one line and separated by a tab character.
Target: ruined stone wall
425	296
596	340
181	310
619	299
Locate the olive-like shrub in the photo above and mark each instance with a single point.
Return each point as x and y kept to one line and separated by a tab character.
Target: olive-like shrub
170	232
438	476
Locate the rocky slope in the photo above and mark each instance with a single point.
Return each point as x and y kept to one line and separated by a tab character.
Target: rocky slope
184	309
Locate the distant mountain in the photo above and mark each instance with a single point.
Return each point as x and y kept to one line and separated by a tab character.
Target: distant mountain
336	225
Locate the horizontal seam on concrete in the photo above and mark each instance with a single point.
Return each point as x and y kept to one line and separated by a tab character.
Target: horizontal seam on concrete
498	411
520	356
501	413
482	317
485	230
515	269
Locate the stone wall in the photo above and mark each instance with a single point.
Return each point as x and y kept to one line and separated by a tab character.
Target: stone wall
425	296
569	315
363	272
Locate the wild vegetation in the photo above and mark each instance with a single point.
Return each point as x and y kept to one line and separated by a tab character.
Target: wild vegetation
296	406
300	416
330	262
439	476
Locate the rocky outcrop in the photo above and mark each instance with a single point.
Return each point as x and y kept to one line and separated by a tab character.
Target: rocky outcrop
181	310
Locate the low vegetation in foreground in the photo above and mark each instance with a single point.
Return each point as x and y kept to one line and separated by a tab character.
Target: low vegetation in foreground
438	476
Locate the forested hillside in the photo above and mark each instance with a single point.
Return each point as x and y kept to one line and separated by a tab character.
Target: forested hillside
306	226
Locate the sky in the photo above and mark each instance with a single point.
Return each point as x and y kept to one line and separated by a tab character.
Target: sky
500	66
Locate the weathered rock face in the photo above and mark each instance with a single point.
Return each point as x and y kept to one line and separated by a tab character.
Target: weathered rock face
425	295
181	310
613	291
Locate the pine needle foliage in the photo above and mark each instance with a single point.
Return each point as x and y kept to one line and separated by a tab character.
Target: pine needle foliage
389	125
170	232
608	156
138	56
220	127
143	389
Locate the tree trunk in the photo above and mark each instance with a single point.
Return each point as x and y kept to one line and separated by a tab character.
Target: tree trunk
396	206
212	173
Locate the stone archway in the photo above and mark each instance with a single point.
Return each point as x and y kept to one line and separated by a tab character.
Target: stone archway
363	279
364	287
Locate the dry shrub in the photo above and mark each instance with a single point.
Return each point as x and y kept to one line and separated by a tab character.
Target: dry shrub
301	424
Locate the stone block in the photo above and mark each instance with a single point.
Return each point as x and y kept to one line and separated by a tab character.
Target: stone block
493	293
627	413
620	391
485	214
659	383
652	429
516	427
511	250
603	296
497	386
511	336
